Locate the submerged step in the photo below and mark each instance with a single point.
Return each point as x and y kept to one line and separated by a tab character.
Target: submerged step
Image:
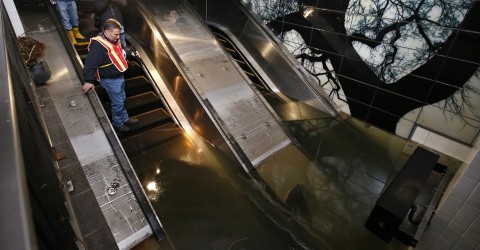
149	139
147	121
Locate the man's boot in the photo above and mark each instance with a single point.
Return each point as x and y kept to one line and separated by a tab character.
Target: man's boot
71	36
77	33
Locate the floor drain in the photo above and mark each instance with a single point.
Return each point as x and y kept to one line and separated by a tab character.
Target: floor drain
111	191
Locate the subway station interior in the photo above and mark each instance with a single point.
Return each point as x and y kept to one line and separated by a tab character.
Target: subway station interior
305	124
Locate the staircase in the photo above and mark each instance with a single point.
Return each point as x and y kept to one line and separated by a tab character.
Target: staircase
142	102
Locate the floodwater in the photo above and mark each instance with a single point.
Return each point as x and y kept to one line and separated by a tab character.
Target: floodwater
206	201
314	196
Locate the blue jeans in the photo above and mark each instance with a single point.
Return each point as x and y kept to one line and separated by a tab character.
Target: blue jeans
68	14
115	89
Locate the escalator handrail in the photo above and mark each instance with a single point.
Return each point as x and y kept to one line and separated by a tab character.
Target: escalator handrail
247	63
289	58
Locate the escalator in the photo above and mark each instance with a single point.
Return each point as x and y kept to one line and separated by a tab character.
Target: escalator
192	198
280	103
142	103
239	58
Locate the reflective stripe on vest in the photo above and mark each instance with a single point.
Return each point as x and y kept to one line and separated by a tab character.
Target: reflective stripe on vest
115	52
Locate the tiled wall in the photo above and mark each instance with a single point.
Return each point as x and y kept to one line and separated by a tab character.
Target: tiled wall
456	225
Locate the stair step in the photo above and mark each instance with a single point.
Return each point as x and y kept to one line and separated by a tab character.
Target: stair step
147	121
137	85
133	86
138	104
141	142
142	103
134	70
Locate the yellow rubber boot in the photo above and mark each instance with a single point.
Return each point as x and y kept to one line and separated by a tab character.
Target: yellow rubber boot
71	36
77	33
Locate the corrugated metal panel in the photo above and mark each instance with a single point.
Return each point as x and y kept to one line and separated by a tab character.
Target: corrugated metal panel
237	107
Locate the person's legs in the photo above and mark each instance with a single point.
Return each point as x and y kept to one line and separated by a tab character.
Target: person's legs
62	8
72	12
116	92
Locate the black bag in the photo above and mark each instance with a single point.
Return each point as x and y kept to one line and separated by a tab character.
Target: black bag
39	71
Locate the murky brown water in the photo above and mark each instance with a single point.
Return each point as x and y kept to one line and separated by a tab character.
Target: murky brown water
205	201
317	196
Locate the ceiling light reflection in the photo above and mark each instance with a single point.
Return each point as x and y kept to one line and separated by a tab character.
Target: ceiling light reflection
152	186
308	12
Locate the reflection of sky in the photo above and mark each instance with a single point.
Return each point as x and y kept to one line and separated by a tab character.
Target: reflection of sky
365	17
271	9
294	42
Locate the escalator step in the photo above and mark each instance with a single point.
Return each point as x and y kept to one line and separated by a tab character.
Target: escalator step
142	103
138	104
137	85
147	121
149	139
82	49
133	86
134	70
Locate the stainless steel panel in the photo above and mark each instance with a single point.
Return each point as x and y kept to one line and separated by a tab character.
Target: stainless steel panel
284	71
219	87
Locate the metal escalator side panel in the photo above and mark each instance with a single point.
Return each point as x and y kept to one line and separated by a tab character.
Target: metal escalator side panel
232	104
286	73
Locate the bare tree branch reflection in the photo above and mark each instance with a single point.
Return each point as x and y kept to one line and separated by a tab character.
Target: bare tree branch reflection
392	56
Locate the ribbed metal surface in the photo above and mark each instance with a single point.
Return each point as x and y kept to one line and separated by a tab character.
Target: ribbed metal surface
276	65
238	109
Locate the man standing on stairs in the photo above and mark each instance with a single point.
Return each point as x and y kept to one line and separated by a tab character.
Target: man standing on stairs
68	14
106	61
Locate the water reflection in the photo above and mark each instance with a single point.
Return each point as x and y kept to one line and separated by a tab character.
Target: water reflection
206	201
332	181
316	196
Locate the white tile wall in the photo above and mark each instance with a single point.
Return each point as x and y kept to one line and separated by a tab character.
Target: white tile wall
441	143
457	222
474	199
464	188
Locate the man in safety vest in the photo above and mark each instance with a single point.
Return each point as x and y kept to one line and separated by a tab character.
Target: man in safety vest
106	62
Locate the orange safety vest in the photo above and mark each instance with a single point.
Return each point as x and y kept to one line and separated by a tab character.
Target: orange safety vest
115	53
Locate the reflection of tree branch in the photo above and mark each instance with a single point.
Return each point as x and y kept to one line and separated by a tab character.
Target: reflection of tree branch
460	105
372	43
389	58
393	38
331	79
432	47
